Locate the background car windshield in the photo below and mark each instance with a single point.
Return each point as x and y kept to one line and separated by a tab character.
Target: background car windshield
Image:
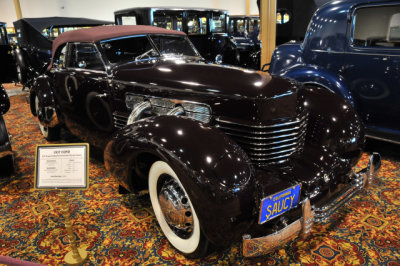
128	49
173	45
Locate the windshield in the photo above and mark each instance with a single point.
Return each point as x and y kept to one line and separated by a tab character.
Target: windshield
177	45
135	48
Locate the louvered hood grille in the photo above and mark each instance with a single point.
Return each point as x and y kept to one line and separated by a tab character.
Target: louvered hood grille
268	144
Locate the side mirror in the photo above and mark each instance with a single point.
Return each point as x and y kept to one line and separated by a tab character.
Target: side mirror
82	64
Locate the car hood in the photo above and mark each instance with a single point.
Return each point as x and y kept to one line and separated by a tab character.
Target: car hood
203	78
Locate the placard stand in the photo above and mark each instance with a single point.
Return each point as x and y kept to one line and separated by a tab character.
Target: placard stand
63	167
77	255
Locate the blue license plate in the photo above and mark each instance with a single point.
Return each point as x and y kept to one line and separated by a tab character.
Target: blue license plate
279	203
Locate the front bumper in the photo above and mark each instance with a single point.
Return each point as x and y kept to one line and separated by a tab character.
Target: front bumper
253	247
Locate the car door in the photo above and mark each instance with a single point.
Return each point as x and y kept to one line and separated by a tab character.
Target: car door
372	67
85	97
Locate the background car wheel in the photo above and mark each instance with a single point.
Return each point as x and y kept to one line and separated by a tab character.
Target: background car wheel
174	211
49	133
21	75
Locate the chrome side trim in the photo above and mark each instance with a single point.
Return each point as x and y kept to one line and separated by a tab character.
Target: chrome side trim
382	139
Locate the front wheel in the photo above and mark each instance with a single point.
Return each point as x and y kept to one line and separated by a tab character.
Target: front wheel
49	133
174	211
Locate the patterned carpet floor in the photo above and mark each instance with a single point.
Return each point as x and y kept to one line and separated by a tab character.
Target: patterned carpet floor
122	230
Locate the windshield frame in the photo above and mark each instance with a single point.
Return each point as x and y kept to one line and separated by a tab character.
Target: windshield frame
153	45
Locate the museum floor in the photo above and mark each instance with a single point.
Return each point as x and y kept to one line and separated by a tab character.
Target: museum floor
122	230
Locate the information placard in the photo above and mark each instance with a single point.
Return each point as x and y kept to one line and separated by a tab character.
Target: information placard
62	166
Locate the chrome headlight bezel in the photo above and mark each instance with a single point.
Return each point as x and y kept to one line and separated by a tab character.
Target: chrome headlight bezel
163	106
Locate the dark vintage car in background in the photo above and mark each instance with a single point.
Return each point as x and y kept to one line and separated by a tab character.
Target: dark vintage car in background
226	153
207	28
244	31
353	49
35	37
7	63
6	153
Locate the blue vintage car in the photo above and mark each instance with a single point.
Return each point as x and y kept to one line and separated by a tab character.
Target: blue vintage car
352	48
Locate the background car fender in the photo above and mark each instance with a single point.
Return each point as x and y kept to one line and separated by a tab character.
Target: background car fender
4	101
319	77
215	172
41	88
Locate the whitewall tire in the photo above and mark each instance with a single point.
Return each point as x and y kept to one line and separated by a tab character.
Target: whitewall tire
179	224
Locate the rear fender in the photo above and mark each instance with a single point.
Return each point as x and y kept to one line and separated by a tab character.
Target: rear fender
213	169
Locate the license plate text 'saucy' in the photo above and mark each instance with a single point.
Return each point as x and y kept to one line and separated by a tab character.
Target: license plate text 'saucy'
279	203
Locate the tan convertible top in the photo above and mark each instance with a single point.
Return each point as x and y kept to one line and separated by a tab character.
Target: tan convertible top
96	34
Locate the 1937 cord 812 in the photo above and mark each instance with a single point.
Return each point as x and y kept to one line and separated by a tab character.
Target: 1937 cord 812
225	153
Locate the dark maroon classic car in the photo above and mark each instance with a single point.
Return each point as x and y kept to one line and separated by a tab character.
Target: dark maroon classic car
226	154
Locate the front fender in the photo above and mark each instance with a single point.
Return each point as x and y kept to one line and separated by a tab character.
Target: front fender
314	75
215	172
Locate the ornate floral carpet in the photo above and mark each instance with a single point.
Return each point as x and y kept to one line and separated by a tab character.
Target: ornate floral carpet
120	230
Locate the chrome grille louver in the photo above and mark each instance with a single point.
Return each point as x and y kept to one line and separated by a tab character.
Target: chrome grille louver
120	119
266	144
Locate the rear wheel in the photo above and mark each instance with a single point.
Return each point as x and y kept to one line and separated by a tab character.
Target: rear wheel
49	133
174	211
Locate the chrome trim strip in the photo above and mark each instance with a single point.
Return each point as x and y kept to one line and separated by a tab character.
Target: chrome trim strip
264	126
273	158
382	139
244	142
264	132
263	138
272	153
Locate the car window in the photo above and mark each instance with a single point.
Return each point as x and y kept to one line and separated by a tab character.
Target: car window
218	23
60	57
128	49
128	20
3	36
86	56
168	20
254	25
197	24
377	27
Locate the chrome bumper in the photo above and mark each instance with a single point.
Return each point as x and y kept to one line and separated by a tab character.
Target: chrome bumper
253	247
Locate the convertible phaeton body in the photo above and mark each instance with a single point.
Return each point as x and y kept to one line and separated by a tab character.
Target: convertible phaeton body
225	153
35	37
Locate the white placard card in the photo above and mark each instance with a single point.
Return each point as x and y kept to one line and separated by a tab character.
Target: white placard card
62	166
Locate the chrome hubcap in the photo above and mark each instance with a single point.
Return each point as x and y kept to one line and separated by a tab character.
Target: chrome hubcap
176	207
